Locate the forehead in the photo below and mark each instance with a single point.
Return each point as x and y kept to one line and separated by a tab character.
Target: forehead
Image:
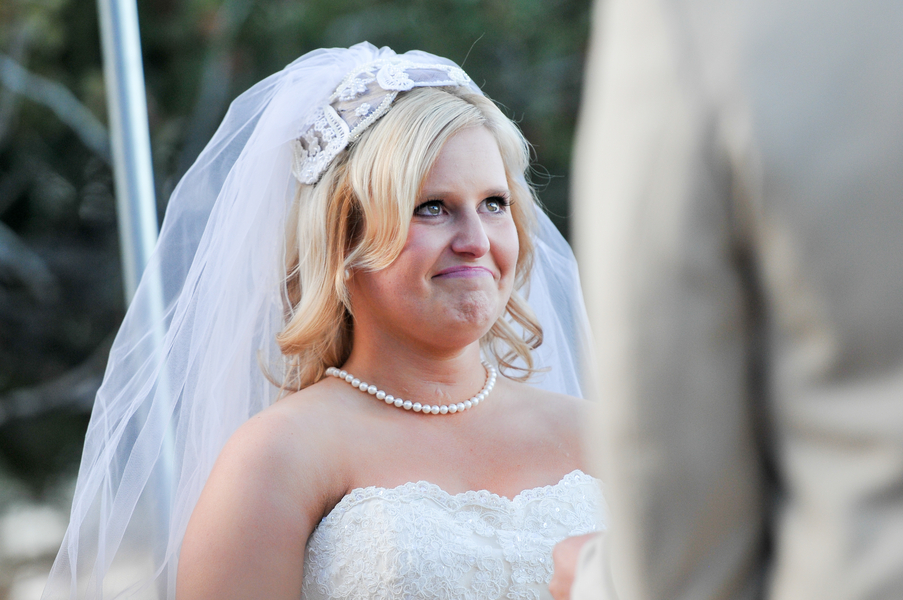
471	159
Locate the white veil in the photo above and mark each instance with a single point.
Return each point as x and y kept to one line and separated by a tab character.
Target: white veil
184	375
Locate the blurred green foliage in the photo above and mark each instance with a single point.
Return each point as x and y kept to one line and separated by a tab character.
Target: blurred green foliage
60	288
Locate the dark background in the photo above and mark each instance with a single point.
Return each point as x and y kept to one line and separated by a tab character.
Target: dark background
61	295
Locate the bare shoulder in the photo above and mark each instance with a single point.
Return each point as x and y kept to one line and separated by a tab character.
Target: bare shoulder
560	410
270	486
545	417
295	435
289	446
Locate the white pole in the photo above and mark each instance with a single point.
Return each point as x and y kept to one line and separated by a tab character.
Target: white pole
130	138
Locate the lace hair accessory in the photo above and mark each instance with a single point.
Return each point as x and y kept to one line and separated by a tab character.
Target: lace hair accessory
185	369
363	97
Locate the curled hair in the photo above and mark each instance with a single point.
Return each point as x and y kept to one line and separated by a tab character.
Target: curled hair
357	217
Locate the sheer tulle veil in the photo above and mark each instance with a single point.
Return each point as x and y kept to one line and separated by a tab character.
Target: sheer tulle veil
186	371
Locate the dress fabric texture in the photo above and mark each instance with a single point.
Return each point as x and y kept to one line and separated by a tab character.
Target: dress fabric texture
418	541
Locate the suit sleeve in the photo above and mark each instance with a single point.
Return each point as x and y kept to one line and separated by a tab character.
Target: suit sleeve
672	435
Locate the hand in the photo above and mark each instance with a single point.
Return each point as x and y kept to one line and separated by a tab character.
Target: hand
564	557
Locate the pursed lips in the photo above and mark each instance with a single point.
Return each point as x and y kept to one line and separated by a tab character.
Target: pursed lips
465	271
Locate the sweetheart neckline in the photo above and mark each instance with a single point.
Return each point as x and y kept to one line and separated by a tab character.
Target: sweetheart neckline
418	539
427	489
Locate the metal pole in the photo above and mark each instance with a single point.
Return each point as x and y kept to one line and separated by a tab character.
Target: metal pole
130	138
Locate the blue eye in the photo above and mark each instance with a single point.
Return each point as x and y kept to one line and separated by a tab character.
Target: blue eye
496	204
432	208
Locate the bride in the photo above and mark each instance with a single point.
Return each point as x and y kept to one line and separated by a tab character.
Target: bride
422	444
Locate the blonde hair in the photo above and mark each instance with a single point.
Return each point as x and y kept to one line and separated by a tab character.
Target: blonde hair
357	217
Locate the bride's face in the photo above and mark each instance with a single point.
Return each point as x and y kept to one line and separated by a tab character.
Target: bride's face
455	273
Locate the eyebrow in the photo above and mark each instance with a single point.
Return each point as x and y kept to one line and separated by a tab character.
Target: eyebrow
486	193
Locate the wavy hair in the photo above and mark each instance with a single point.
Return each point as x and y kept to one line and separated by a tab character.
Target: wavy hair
357	217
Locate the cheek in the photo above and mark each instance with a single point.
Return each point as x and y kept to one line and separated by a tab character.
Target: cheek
422	246
404	280
507	249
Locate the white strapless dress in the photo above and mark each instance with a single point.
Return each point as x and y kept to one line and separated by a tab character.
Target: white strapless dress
417	541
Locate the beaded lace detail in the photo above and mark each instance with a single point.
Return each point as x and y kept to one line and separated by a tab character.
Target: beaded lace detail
363	97
418	541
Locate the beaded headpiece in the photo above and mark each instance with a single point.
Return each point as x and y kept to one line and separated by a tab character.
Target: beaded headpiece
363	97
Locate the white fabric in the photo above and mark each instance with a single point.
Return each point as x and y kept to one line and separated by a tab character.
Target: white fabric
418	541
185	369
363	97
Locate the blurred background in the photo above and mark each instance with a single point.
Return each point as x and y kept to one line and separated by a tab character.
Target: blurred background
61	291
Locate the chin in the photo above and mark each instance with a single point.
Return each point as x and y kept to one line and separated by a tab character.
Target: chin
477	312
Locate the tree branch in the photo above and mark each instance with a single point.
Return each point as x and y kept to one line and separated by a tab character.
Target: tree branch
60	100
26	266
74	389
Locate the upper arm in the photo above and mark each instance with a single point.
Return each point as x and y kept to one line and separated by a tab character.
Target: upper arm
247	535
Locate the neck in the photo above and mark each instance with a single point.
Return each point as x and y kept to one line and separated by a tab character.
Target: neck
429	377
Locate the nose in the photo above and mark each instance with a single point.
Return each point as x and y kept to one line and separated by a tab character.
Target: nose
470	237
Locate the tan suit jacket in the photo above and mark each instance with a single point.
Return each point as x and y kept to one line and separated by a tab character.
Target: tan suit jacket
738	217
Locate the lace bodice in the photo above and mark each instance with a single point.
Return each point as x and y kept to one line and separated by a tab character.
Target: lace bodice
417	541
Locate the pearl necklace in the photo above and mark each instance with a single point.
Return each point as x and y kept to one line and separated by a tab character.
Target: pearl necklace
435	409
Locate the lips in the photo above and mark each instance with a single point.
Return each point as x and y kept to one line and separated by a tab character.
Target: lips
465	271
